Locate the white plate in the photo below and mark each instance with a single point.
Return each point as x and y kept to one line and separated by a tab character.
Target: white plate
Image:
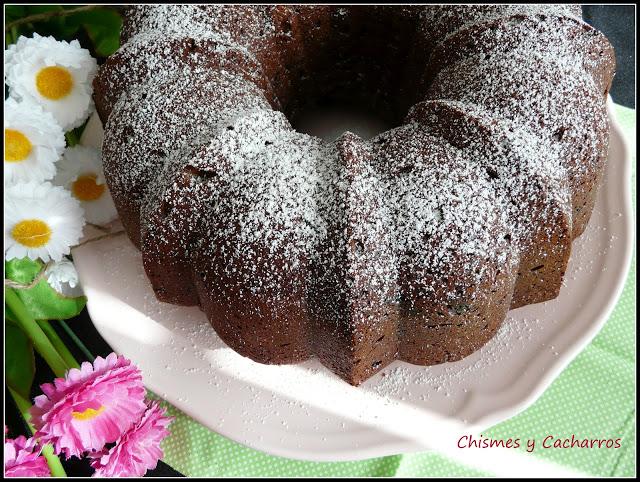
303	411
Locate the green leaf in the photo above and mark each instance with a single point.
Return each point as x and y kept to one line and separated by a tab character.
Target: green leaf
42	301
22	270
14	12
102	27
35	9
20	366
107	45
55	26
97	30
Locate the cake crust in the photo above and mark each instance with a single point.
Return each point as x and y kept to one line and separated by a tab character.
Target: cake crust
410	246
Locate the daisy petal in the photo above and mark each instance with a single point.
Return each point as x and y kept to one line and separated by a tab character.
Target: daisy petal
33	142
57	75
80	171
40	221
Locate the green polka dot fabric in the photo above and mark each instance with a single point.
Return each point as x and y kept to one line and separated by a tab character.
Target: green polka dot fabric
594	397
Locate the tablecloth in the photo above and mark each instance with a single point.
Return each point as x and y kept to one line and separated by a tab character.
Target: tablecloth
594	397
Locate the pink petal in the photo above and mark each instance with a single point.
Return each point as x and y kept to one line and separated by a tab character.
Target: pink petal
91	406
138	450
22	459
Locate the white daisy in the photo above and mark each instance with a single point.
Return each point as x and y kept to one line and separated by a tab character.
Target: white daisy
80	171
40	221
63	277
55	74
33	142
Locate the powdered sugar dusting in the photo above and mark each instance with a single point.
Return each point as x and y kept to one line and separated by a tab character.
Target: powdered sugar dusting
489	168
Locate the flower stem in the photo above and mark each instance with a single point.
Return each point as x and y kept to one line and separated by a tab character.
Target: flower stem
47	450
76	340
8	315
57	470
58	344
40	341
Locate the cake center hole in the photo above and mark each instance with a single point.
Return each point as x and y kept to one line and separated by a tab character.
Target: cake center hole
349	69
330	120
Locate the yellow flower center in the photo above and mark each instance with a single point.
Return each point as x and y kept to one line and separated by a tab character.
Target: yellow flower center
86	188
17	146
32	233
54	83
87	414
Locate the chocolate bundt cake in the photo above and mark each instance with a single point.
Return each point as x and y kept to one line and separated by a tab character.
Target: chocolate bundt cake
412	245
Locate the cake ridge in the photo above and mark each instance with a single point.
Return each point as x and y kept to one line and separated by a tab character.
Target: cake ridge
412	245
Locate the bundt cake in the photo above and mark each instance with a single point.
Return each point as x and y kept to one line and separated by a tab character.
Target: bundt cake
412	245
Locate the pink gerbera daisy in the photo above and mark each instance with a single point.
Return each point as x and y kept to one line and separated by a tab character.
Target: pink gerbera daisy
22	459
90	407
138	450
